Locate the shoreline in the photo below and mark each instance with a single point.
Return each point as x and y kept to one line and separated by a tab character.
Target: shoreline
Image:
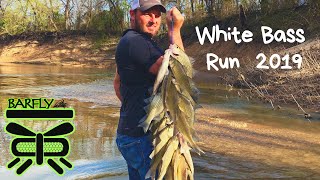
75	51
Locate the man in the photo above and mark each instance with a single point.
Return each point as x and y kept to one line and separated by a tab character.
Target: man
138	61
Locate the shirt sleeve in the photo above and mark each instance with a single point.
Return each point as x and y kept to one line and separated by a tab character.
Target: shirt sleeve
144	52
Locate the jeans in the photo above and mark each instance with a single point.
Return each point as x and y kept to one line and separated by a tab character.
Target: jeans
136	151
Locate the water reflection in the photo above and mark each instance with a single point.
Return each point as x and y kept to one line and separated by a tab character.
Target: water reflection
13	77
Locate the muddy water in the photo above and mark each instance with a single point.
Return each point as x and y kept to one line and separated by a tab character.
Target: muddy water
93	149
90	93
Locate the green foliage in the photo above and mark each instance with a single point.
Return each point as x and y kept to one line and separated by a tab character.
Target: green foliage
30	15
15	22
59	20
109	22
107	17
1	25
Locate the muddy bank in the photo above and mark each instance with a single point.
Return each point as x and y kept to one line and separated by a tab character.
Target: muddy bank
70	50
280	87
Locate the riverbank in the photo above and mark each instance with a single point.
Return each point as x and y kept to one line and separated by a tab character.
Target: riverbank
280	87
285	151
277	87
72	50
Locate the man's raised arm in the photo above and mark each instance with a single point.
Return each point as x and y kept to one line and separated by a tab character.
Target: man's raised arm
173	33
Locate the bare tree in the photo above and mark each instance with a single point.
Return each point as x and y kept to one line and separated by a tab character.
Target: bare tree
1	9
242	16
51	16
192	7
66	13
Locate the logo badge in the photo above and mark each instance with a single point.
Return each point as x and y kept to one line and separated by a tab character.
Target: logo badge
50	147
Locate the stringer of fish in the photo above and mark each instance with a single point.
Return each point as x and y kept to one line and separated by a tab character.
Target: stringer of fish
170	118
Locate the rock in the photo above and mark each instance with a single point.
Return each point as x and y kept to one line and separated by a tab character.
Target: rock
21	44
34	44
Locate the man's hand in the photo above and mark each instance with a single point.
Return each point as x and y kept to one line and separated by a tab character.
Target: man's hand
175	15
174	34
174	29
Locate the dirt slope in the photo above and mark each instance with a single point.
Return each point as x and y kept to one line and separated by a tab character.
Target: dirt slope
76	51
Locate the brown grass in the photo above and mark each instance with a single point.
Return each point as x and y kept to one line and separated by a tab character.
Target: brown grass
279	86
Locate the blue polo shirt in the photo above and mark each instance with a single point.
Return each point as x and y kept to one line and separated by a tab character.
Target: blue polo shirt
135	54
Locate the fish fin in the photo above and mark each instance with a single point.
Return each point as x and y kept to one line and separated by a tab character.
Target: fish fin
195	92
198	106
143	119
194	72
148	100
146	108
192	60
150	174
200	151
150	90
144	124
196	149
